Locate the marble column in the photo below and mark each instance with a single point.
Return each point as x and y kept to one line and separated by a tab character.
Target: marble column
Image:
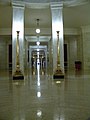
18	25
57	25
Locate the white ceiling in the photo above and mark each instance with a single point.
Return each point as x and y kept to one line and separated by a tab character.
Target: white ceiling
76	13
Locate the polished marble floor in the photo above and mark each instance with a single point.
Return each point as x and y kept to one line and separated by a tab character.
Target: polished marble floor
40	97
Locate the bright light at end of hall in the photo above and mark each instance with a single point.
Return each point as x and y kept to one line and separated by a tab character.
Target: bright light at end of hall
38	43
38	94
37	30
39	113
58	82
37	50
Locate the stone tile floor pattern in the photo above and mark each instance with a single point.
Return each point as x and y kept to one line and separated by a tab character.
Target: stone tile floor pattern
40	97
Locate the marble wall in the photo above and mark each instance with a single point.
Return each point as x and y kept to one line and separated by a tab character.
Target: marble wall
86	47
71	41
3	53
78	47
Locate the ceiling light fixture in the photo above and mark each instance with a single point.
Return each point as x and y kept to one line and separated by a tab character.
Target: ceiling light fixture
37	29
38	42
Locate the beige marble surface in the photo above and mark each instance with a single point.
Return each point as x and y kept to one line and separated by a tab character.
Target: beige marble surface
39	97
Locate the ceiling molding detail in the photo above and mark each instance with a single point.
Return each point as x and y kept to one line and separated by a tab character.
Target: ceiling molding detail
41	38
5	31
71	31
86	29
44	3
72	3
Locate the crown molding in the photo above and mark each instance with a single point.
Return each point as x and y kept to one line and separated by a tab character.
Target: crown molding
5	31
71	31
41	38
56	5
85	29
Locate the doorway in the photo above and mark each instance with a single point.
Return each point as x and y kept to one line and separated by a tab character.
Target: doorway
38	59
10	56
65	57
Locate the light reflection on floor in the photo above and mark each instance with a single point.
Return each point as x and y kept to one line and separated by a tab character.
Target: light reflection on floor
39	97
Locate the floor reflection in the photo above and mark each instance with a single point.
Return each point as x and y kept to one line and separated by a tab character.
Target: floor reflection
39	97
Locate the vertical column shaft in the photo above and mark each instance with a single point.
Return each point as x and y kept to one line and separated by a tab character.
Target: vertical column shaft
57	33
18	25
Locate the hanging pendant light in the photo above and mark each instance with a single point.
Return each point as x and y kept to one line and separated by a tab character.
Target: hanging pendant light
38	42
37	29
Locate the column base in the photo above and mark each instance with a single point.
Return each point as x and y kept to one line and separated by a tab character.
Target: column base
58	74
18	76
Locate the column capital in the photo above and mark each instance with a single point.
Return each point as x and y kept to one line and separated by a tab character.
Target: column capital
56	5
18	4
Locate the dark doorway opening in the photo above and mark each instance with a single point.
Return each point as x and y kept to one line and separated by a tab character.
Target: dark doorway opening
65	56
10	56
